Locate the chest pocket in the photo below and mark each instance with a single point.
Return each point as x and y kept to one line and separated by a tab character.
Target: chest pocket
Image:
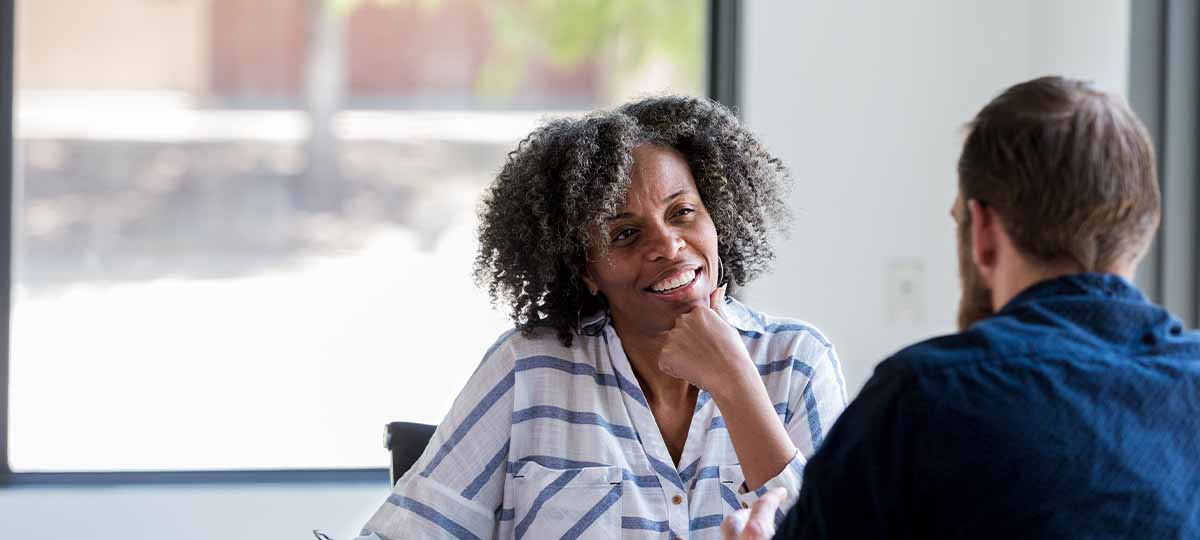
571	503
722	496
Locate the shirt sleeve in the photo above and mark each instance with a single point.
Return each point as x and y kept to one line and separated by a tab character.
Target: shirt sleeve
859	484
456	487
816	401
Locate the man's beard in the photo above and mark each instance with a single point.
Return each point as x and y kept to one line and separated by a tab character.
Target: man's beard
976	301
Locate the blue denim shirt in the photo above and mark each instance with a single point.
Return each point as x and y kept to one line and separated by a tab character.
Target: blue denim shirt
1072	413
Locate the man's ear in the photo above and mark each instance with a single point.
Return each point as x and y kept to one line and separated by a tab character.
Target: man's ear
985	231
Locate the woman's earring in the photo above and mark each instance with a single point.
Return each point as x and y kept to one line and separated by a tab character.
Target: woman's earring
599	297
721	279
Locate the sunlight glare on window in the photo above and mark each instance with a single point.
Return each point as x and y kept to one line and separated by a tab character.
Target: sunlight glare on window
244	230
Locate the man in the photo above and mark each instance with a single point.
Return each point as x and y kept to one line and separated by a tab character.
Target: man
1068	406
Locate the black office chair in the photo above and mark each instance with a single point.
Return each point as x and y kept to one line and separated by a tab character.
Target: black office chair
406	441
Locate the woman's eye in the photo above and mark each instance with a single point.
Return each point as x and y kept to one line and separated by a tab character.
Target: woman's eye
623	235
685	211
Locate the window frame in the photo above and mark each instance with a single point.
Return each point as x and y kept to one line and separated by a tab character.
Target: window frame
1164	83
722	84
7	42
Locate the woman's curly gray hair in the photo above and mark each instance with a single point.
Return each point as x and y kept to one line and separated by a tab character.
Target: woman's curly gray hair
542	212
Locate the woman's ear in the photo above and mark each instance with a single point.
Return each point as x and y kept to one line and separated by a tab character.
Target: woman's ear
591	284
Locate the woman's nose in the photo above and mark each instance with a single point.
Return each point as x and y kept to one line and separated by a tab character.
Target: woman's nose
665	243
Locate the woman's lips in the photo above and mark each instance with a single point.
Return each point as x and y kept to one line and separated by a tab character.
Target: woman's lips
681	292
674	281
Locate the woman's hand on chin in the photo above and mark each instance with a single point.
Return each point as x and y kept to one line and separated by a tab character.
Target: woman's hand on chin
704	349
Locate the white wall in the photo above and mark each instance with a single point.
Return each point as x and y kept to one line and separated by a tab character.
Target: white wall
864	101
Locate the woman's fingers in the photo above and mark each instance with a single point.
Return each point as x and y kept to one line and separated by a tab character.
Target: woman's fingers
703	346
716	300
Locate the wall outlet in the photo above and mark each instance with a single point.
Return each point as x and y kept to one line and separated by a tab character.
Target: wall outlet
904	291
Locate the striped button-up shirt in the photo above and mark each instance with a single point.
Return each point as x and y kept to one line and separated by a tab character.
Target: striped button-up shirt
547	441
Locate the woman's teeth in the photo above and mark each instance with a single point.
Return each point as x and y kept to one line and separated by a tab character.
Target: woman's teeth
674	282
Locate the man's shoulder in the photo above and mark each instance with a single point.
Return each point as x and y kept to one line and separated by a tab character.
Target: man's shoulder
1006	362
931	370
999	341
942	352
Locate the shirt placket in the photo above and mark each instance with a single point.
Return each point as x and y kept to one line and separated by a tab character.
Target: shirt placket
675	493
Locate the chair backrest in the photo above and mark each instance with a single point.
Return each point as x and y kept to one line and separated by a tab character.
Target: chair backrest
406	441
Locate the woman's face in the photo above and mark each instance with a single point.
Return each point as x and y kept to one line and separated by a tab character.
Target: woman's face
662	255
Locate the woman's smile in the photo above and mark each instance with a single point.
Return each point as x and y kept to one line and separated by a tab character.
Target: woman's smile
677	285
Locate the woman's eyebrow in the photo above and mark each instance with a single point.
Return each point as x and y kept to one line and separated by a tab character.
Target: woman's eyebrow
672	196
665	200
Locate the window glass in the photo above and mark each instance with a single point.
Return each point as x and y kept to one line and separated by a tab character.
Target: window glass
244	229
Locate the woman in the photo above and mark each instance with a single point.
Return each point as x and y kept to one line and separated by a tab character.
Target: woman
634	399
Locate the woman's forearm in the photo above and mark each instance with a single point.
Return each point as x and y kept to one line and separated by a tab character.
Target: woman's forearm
707	351
759	438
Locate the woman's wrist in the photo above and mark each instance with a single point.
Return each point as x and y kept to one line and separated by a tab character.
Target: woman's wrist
739	383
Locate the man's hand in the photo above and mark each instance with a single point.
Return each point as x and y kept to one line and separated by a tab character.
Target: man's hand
757	523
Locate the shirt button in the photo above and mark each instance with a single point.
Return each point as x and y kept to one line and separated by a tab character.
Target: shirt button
677	500
744	505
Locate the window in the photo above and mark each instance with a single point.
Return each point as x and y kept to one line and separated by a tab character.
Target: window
243	230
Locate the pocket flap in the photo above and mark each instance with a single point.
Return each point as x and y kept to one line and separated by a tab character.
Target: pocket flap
583	477
731	474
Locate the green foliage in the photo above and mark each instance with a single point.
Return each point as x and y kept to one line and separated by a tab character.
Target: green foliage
623	34
569	32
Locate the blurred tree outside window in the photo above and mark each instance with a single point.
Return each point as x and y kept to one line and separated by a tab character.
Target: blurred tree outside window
243	223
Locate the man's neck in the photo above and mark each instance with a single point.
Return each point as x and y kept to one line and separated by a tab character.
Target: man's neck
1024	274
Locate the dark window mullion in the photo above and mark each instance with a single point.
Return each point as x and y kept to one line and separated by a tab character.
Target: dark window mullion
724	52
7	174
1147	70
1164	88
1181	211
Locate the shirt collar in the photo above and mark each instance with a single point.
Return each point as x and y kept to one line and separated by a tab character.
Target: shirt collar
1085	284
742	317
